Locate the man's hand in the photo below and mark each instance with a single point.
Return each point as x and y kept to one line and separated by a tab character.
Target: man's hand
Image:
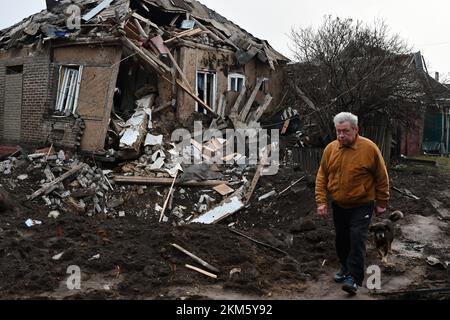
322	211
379	210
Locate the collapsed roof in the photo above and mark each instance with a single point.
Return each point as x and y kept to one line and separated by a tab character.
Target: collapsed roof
101	19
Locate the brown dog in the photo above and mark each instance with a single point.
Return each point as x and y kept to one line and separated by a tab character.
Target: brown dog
384	234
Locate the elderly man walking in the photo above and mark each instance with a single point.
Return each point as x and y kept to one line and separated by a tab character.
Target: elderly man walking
353	172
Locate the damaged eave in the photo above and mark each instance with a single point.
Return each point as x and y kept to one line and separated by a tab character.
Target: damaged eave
87	41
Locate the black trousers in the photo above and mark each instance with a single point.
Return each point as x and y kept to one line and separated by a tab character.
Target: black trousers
352	226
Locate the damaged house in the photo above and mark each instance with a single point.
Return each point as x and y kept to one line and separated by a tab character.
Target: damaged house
83	71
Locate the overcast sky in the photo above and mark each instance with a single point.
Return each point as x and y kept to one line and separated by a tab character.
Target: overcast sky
425	25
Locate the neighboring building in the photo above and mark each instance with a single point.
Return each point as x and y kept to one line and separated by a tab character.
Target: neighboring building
431	132
62	84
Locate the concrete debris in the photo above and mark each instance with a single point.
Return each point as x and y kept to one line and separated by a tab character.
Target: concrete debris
223	210
94	257
152	140
54	214
31	222
267	195
58	256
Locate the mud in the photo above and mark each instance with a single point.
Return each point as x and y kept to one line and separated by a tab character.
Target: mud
136	260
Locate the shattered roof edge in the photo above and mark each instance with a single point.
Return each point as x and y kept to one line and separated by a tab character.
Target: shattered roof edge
5	30
240	28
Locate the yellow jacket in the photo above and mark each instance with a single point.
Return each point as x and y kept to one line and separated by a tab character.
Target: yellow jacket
354	175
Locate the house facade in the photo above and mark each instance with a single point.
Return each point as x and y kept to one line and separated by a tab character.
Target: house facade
64	85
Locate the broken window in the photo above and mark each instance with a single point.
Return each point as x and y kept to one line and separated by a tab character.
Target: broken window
14	69
235	82
68	89
206	89
264	86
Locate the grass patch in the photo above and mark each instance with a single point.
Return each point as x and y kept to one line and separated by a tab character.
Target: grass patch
442	165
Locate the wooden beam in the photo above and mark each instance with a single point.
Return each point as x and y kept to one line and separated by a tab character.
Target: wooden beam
183	76
206	273
258	172
195	45
193	256
57	180
248	105
255	180
234	112
285	126
291	185
147	56
200	101
188	33
213	35
145	20
260	111
140	29
166	181
168	197
258	242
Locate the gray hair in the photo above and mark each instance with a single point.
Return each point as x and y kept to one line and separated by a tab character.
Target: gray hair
346	117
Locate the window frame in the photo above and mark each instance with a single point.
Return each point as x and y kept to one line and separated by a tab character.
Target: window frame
213	93
236	77
68	90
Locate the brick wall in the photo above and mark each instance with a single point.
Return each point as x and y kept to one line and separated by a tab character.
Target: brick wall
36	124
35	91
2	96
13	106
62	132
36	97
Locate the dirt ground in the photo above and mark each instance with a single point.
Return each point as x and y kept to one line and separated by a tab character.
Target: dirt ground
131	257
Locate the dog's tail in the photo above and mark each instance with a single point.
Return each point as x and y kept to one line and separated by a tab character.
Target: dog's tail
396	215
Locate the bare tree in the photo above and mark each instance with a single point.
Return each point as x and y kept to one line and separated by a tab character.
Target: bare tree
348	66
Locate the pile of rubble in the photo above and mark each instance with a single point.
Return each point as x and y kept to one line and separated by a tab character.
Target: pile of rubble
64	182
138	148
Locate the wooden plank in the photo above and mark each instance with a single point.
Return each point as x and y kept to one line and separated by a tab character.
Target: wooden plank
248	105
188	33
234	112
57	180
193	256
139	27
223	210
206	273
204	105
285	126
255	180
166	181
291	185
147	56
223	189
195	45
145	20
213	35
260	111
131	32
258	242
183	76
168	197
